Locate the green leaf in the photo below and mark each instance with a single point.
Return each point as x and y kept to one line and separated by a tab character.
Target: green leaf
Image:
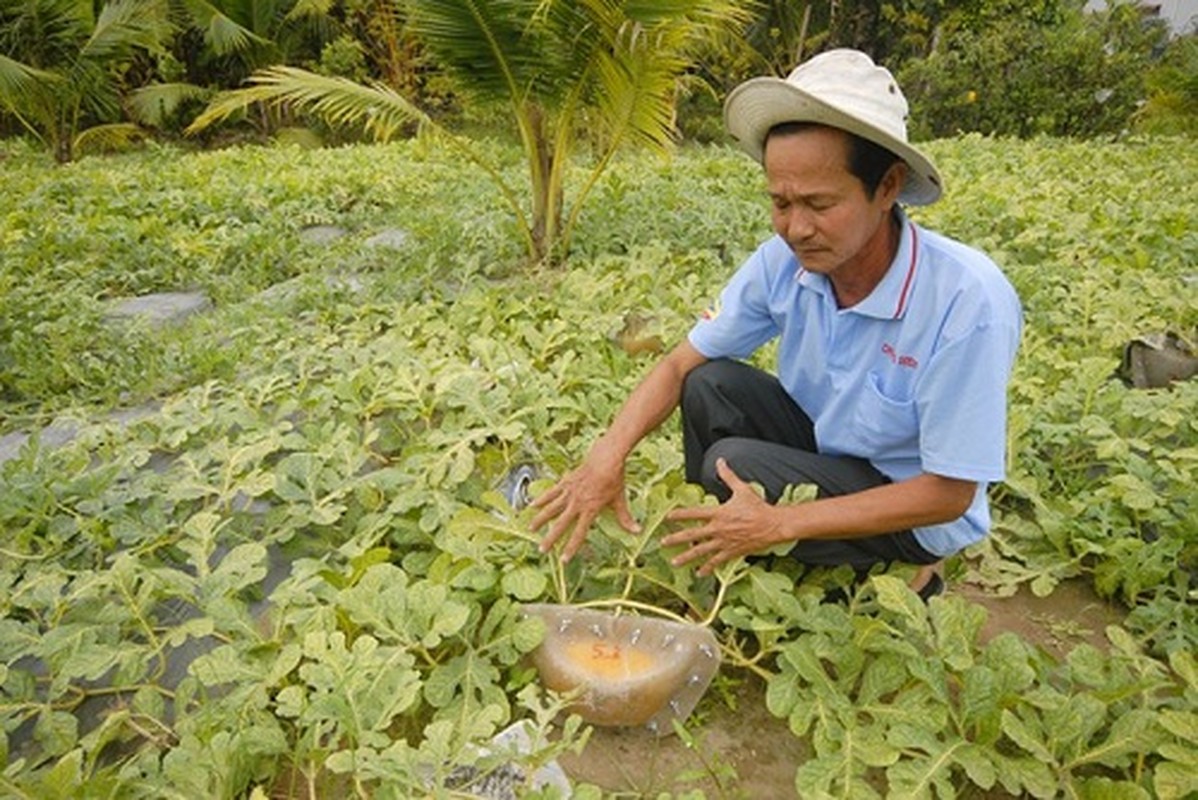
288	658
1123	641
466	677
826	777
1182	724
507	636
957	626
1185	664
896	596
884	675
977	763
781	694
1043	584
528	634
981	703
929	776
221	33
773	593
290	702
64	779
200	531
194	628
1027	737
241	567
1010	661
92	660
1173	781
361	689
1087	665
423	612
1026	776
525	583
870	747
1107	789
1131	735
1075	721
148	701
57	732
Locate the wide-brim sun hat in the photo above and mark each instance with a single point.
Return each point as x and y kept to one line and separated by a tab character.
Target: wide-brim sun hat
841	89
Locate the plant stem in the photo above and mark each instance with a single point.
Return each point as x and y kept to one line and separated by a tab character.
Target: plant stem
719	601
559	579
625	602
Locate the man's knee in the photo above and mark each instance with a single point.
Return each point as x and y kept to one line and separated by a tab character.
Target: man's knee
739	454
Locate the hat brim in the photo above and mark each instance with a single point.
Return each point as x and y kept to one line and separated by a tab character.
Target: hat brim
761	103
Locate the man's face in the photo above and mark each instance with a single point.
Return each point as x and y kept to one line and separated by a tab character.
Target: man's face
821	209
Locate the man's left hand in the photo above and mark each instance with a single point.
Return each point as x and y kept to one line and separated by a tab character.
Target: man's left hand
743	525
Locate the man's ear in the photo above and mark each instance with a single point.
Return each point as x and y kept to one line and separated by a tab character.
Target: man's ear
892	182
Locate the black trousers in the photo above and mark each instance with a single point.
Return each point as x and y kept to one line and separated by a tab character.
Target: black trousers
737	412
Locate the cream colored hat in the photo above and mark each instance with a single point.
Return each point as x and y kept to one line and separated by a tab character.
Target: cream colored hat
841	89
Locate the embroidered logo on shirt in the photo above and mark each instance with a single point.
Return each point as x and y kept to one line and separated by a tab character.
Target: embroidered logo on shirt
896	358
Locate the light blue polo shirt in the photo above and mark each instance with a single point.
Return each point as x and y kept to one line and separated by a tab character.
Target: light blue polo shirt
912	378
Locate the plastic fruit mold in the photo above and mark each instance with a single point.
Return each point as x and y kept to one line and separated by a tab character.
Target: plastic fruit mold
627	669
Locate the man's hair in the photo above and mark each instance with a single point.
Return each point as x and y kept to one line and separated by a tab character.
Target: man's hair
868	161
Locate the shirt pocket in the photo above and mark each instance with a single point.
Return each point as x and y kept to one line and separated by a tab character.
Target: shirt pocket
885	425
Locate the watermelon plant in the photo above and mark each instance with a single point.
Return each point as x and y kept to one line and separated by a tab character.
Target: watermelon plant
293	573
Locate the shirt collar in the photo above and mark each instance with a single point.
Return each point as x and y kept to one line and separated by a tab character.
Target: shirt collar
891	297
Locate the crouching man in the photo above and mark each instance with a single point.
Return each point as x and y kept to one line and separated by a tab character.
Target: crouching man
895	349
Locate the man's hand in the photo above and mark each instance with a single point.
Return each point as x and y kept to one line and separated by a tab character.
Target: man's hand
744	525
577	499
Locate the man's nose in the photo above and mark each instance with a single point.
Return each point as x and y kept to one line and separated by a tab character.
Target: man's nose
798	225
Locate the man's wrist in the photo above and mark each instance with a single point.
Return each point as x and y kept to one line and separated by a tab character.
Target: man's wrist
789	525
606	452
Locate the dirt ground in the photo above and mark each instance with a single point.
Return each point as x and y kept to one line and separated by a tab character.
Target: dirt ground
747	753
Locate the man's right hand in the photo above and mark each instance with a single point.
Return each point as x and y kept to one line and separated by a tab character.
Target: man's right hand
578	498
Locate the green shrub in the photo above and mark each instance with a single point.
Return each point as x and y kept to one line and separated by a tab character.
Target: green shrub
1172	104
1083	76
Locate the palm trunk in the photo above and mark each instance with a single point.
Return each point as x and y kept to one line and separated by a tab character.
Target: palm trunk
546	192
62	140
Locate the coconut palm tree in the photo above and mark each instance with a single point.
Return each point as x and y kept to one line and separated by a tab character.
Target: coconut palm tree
224	41
239	36
61	62
551	65
60	66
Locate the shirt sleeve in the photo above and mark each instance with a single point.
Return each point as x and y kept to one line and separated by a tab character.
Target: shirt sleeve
962	405
741	321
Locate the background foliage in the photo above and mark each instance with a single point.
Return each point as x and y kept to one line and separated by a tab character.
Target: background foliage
1082	75
991	66
219	596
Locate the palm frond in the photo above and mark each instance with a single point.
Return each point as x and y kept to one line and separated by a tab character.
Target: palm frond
303	138
483	43
697	12
108	138
376	108
43	32
313	9
221	33
127	25
637	86
27	94
91	87
153	104
577	34
19	82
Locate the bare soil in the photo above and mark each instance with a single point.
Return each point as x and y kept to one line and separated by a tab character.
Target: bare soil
742	751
